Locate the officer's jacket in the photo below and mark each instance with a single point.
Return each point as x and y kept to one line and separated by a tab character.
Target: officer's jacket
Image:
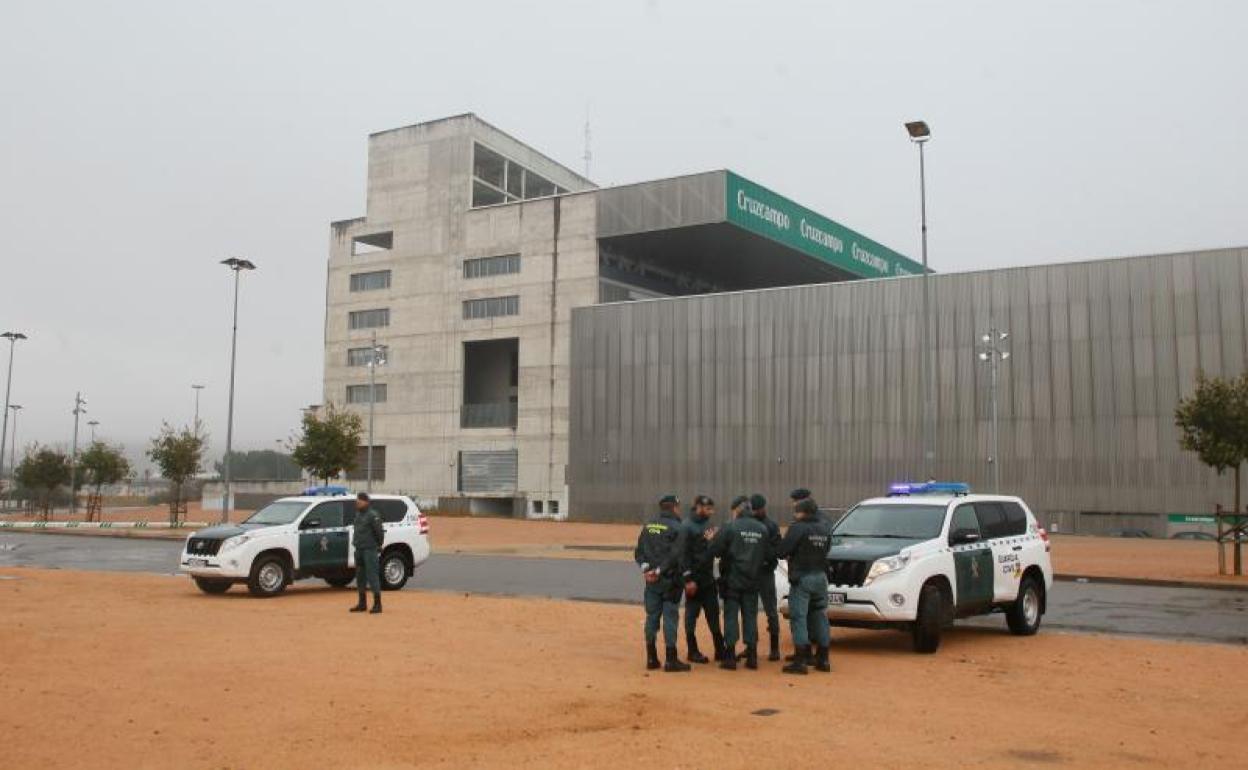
744	549
773	540
805	545
661	545
369	533
697	564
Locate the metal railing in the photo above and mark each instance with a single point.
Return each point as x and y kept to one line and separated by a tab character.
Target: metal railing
500	414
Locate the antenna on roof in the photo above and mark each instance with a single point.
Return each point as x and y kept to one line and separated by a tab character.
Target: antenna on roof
589	155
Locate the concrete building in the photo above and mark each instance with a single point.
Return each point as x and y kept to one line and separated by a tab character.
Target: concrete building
818	386
473	251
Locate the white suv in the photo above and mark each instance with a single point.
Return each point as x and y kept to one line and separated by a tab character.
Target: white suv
930	553
301	537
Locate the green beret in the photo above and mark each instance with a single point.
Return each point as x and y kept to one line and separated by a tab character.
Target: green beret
801	493
738	500
758	502
667	500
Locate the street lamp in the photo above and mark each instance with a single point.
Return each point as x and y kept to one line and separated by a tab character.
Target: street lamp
992	352
920	134
376	358
197	389
13	450
93	423
12	337
79	403
238	266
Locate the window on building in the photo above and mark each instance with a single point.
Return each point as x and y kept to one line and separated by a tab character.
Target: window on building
372	243
378	279
501	180
490	391
491	307
488	166
484	267
554	507
368	319
358	394
360	471
361	356
537	506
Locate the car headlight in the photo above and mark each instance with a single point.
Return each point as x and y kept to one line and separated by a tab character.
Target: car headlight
887	565
233	542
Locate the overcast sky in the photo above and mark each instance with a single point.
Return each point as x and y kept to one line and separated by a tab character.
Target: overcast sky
142	142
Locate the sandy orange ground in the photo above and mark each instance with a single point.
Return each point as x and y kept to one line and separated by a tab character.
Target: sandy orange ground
135	671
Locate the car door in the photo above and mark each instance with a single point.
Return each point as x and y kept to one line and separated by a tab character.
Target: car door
1023	541
1005	552
972	561
323	539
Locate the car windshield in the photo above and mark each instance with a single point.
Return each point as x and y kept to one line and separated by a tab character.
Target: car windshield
280	512
912	522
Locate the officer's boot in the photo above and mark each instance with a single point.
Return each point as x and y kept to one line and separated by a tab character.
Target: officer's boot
360	606
376	604
728	660
798	666
751	656
695	656
717	638
821	659
773	653
652	657
674	663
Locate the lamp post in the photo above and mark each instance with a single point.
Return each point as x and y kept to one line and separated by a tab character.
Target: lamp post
992	352
12	337
197	389
15	408
79	410
919	134
93	423
376	358
238	266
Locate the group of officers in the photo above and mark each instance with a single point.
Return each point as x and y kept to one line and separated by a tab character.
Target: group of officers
678	557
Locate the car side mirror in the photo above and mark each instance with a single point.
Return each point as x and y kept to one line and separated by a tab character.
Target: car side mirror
963	537
312	522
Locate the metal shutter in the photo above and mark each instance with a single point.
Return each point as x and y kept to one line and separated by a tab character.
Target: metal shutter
487	471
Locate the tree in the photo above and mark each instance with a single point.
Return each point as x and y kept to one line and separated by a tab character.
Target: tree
260	465
43	470
328	445
102	464
1214	425
179	455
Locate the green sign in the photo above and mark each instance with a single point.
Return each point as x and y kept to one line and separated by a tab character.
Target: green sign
1189	518
774	216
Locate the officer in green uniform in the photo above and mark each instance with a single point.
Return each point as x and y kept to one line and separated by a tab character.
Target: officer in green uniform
767	578
698	573
743	548
806	545
660	548
368	537
795	497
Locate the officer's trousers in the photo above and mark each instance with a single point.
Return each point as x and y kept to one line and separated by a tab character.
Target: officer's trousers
706	600
808	610
367	570
662	601
740	614
767	595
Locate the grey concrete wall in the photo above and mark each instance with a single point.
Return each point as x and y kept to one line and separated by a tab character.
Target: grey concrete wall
819	386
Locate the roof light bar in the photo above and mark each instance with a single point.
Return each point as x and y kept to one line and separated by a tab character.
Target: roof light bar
905	488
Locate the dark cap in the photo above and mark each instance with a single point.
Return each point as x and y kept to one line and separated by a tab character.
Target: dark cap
758	502
738	500
667	500
363	496
703	500
801	493
807	506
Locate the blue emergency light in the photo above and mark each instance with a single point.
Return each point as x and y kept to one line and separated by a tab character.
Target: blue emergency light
903	488
329	491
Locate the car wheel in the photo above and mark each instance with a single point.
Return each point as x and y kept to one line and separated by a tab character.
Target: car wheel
1024	614
393	570
929	620
341	580
268	576
212	586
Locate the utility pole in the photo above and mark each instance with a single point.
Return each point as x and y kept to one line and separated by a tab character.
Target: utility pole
79	403
15	408
920	134
12	337
992	352
197	389
238	266
376	358
92	424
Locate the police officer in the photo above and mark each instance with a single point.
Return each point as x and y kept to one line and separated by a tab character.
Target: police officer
795	497
660	548
368	537
743	548
701	594
806	544
767	578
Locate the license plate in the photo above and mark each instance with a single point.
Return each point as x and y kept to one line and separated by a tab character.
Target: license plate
197	562
836	598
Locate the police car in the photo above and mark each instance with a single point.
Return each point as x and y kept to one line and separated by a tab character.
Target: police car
929	553
302	537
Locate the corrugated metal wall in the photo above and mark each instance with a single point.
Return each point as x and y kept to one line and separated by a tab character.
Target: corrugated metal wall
818	386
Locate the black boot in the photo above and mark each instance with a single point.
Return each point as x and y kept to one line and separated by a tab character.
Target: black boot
751	656
652	657
798	666
674	663
360	606
717	638
376	610
695	656
821	660
728	661
773	654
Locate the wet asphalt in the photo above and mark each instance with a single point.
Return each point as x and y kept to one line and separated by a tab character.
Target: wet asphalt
1188	614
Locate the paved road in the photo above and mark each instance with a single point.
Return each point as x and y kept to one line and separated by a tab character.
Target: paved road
1192	614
